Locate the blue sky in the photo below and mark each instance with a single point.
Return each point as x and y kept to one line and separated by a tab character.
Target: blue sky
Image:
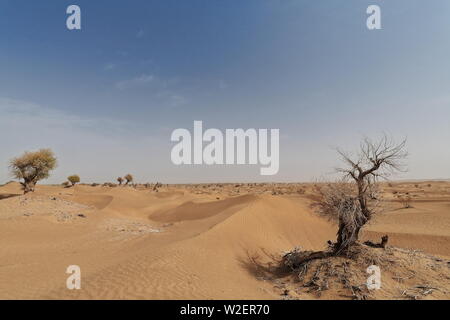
106	98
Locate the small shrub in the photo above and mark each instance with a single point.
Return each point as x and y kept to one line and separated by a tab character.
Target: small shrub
157	185
128	178
74	179
66	184
109	184
406	202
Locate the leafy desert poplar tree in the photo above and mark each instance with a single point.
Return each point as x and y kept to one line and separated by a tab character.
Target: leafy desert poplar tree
32	167
120	180
74	179
128	178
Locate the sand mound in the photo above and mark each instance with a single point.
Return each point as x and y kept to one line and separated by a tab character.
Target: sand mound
404	274
169	195
11	189
32	205
98	201
193	211
211	262
129	227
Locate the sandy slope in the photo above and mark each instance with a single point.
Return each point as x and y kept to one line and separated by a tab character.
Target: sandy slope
425	226
178	243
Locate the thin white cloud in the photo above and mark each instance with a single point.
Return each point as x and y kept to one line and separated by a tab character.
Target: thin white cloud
165	91
171	98
109	66
139	81
122	53
177	100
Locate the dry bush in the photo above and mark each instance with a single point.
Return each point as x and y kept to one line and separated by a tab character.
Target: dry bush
109	184
406	274
341	202
338	273
128	178
406	202
66	184
74	179
32	167
157	186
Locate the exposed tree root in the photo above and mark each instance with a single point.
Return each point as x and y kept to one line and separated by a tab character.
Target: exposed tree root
405	274
382	244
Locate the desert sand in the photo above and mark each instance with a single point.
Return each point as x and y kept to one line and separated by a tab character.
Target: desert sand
201	241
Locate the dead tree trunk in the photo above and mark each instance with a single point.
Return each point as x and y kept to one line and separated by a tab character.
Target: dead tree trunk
347	236
375	160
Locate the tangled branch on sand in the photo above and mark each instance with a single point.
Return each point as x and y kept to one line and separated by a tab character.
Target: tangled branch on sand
405	273
346	275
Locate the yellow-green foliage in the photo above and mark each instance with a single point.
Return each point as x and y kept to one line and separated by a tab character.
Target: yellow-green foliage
32	167
74	179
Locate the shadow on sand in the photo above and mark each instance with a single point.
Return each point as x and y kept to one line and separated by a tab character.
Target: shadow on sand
268	267
8	195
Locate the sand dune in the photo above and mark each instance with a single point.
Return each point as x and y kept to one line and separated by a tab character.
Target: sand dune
177	243
195	211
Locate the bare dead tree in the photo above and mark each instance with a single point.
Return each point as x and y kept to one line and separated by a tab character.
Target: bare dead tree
355	199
